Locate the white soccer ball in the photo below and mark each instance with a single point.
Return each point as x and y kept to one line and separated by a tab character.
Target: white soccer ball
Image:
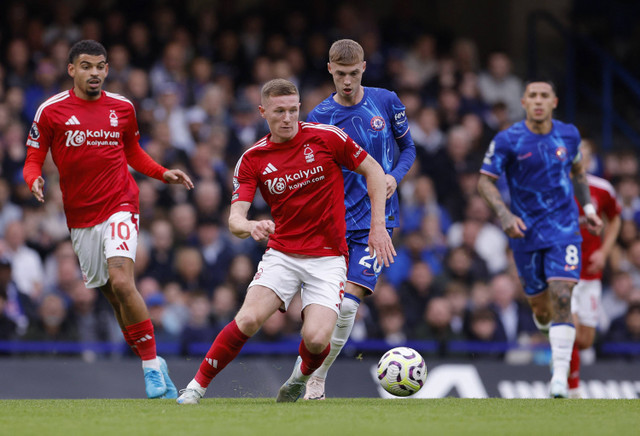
402	371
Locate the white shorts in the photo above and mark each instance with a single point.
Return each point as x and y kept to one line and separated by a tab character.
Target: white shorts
320	279
585	301
116	237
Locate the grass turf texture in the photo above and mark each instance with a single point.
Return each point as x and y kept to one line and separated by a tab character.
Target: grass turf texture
264	417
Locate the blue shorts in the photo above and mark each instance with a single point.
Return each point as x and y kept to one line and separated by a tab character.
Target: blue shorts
363	269
536	268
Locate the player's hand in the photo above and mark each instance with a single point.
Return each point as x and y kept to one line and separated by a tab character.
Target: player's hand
594	224
513	226
37	189
380	245
596	262
392	185
176	177
262	229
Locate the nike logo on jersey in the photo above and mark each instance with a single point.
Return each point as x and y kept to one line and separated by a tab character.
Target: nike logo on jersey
73	121
524	156
269	169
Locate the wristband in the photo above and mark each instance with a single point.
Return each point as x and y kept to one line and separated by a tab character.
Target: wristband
589	209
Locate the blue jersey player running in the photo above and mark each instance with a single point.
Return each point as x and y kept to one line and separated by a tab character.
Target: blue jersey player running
375	118
540	159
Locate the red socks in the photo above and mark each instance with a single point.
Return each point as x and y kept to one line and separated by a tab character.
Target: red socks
311	362
574	368
224	349
130	342
141	337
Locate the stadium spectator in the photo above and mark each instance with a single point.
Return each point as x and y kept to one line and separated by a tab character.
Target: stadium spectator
498	84
199	328
9	211
8	328
17	307
52	323
26	264
513	318
436	324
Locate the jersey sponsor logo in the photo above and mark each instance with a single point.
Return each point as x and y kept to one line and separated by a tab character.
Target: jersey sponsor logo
308	154
276	186
75	137
269	169
34	132
113	118
400	118
100	137
561	153
73	121
293	181
377	123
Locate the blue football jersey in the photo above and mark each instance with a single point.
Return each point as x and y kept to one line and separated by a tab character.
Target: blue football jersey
537	169
378	123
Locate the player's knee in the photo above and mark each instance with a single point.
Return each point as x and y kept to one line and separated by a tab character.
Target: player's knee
315	343
248	322
122	287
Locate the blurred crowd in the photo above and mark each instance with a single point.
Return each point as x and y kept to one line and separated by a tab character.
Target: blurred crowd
194	74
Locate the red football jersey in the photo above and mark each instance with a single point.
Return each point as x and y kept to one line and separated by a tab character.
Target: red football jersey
88	140
603	198
301	180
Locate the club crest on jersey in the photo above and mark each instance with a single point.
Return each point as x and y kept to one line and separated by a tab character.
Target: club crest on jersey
113	118
308	154
561	153
34	132
377	123
236	184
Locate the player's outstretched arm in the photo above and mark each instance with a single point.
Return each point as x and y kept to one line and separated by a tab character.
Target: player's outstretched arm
241	227
379	240
176	177
512	225
581	191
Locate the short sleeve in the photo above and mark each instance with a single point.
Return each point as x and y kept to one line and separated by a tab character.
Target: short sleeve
496	156
398	116
244	181
345	150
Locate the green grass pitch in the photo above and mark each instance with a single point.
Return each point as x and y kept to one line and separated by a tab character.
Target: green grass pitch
264	417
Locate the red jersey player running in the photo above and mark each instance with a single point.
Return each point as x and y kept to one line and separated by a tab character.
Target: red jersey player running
297	168
585	300
93	136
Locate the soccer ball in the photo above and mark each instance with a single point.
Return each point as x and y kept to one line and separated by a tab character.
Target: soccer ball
402	371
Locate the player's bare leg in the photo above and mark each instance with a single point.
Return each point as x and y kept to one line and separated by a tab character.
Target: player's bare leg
259	304
319	323
542	310
562	334
138	329
348	309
